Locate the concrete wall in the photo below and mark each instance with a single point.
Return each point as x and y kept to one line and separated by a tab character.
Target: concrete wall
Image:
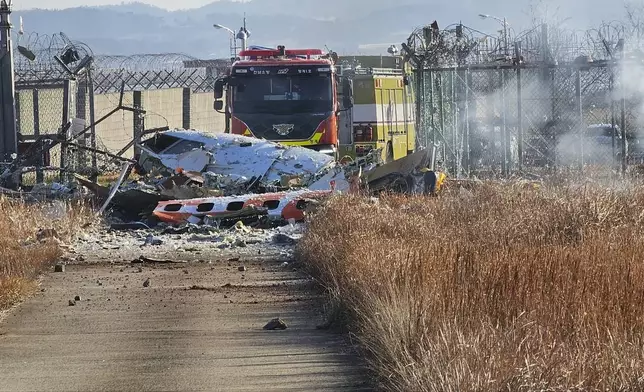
116	131
203	116
167	107
164	107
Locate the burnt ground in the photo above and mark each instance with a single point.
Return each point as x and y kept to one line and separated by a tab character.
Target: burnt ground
197	326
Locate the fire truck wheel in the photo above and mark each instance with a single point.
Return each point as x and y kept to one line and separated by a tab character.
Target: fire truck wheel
400	184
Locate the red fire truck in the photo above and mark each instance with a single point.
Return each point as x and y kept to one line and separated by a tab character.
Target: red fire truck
290	96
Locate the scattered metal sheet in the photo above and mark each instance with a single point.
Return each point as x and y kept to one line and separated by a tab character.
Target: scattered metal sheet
191	176
405	166
143	260
132	201
125	171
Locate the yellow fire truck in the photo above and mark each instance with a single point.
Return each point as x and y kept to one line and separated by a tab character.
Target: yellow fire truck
383	113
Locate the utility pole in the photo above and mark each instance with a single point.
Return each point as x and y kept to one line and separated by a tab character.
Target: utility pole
8	130
505	30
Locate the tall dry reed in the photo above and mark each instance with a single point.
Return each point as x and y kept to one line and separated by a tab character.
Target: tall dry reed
22	254
501	288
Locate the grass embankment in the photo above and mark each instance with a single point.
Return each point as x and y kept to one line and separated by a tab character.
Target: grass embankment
22	254
503	289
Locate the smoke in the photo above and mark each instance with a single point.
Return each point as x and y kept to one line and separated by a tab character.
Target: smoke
494	136
565	121
630	90
545	112
574	149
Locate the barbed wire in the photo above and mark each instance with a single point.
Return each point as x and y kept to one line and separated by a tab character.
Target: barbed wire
458	44
453	45
37	61
44	48
143	62
156	71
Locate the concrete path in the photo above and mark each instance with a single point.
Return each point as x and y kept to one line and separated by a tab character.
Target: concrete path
197	327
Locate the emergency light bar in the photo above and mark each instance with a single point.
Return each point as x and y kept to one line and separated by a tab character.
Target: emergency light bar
277	52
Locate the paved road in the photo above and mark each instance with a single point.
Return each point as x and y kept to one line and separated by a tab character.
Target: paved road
172	336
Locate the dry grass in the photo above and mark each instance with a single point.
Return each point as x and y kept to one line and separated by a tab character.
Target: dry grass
504	288
22	255
108	179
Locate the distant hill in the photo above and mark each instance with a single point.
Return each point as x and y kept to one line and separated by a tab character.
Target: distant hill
135	7
342	25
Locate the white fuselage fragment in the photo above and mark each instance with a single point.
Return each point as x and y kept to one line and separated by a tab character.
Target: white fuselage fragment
240	156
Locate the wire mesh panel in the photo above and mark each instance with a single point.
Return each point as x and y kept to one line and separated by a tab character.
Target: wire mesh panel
156	71
490	120
39	111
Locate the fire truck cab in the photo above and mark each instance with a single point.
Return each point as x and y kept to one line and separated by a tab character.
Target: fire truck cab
286	96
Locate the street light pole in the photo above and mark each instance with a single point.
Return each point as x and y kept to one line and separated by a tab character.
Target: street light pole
233	43
505	30
8	131
242	35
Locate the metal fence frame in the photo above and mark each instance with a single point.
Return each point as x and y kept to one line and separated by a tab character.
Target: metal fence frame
156	71
63	91
517	111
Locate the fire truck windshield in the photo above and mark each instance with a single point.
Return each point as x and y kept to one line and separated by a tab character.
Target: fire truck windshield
281	94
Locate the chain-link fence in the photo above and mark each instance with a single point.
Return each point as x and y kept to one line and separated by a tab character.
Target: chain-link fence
156	71
502	119
41	111
110	99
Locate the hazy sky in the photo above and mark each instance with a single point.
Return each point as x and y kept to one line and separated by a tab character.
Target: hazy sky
169	4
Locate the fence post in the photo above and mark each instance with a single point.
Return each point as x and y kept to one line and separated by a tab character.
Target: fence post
504	128
187	94
8	132
35	98
548	88
490	114
65	119
519	120
623	121
420	99
623	114
18	119
580	115
441	111
139	124
81	104
18	124
92	120
454	114
466	124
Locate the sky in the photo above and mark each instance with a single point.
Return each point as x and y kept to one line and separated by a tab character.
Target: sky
19	5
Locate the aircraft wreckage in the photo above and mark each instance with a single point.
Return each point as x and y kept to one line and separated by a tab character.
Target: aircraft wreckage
189	176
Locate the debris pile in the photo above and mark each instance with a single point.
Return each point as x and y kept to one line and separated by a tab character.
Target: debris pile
185	243
234	165
184	177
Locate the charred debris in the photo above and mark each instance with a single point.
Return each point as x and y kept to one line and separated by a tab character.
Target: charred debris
184	177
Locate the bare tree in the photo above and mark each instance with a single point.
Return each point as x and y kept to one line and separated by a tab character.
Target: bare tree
561	45
635	20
